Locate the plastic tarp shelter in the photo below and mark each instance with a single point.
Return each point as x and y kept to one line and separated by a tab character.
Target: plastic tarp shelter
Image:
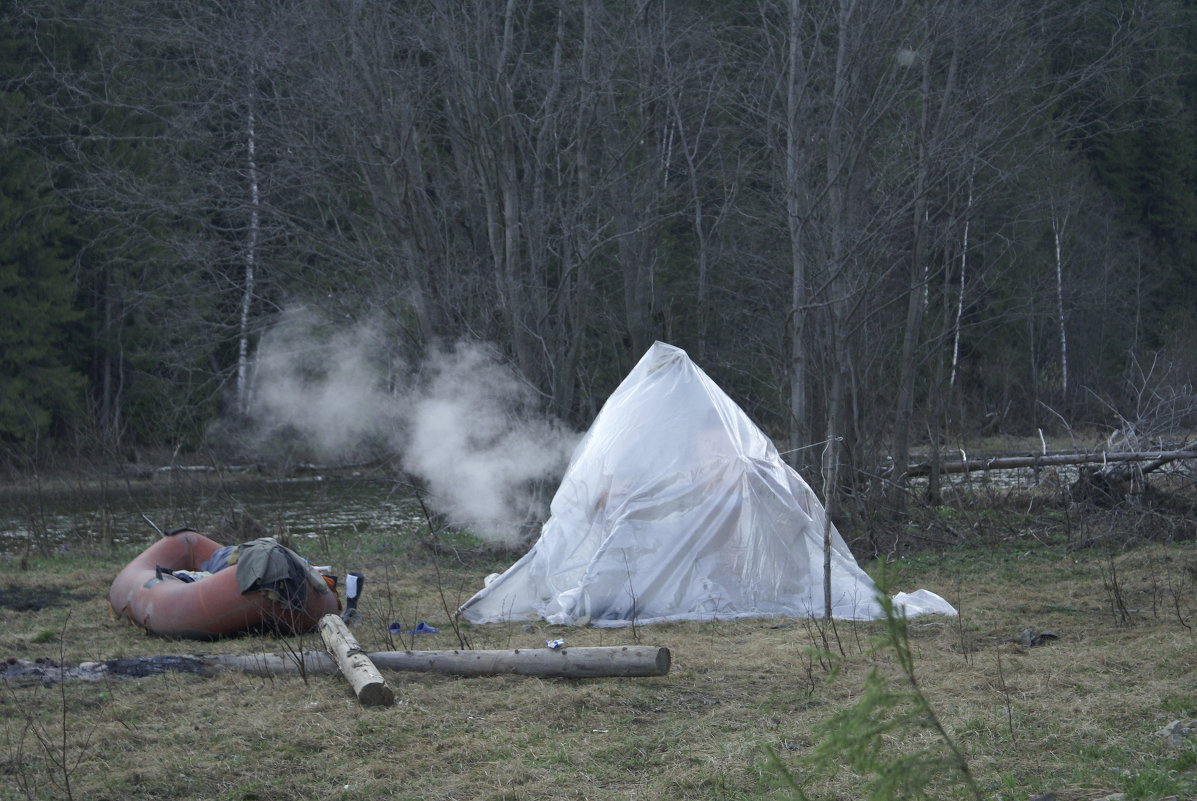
675	506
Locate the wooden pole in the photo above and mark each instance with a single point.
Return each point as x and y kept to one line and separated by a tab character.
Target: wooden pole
369	686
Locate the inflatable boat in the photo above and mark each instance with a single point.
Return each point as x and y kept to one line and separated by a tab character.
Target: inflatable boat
180	587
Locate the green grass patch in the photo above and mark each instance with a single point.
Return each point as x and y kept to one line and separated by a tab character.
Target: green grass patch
1075	715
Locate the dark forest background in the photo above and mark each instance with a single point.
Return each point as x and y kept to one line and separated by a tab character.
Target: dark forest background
886	224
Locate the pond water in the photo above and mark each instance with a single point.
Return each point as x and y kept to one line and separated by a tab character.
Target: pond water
79	517
64	518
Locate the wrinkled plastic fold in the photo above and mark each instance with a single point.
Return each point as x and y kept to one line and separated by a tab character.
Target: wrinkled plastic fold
675	506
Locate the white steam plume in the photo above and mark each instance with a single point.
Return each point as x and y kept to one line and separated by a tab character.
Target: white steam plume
327	387
476	442
464	423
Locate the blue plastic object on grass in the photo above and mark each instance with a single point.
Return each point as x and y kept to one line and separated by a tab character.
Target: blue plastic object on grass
421	628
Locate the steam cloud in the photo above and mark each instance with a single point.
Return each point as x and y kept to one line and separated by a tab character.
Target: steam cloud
323	387
461	421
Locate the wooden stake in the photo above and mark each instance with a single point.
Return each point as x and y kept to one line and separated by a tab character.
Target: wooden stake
367	682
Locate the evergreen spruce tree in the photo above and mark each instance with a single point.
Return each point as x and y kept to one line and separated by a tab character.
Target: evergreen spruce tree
40	390
1147	160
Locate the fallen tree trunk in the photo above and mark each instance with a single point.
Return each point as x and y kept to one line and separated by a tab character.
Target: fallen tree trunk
575	663
1156	458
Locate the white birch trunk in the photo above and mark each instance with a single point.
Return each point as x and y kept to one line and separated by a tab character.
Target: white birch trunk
963	276
1058	226
251	254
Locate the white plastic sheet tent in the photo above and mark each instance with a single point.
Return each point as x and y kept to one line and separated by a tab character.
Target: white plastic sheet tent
675	506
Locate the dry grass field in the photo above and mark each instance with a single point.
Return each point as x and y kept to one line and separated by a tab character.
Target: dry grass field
745	704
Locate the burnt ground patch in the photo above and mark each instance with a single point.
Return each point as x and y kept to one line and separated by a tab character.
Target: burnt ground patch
31	599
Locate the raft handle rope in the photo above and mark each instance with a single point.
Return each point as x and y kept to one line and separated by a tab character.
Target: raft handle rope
160	571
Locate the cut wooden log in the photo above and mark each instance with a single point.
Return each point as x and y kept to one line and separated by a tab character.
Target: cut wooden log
612	661
368	684
631	661
571	663
301	663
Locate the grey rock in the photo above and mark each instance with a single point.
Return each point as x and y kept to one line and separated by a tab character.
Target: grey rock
1176	732
1029	638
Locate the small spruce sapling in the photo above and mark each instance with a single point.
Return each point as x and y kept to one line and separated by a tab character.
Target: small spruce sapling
882	738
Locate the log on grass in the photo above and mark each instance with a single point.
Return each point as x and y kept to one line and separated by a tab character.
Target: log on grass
612	661
573	663
368	684
299	663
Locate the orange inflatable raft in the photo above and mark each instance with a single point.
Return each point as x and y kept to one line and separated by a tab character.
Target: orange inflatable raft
152	598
